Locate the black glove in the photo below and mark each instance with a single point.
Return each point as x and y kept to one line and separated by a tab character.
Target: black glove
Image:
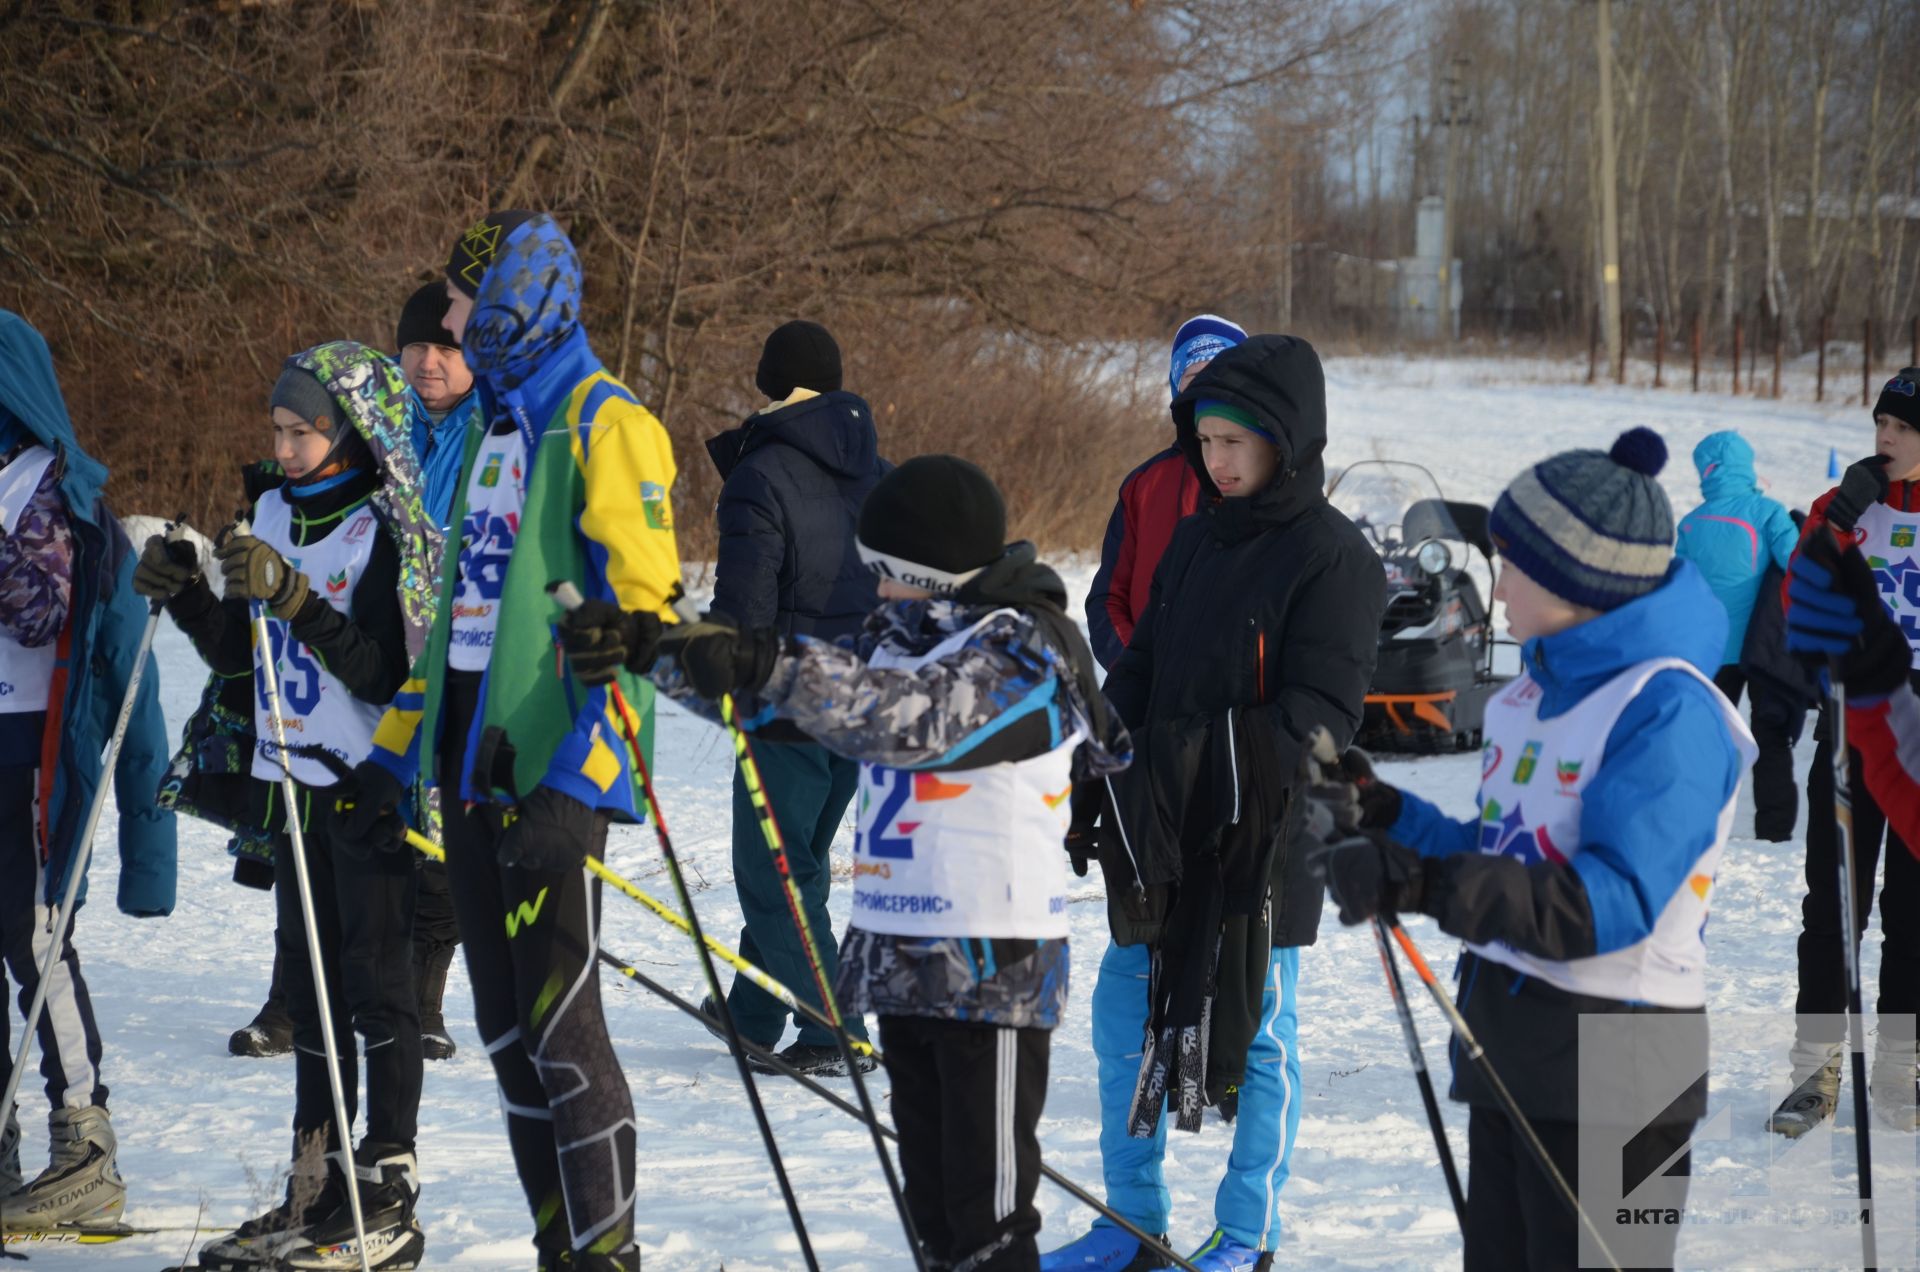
1346	797
1863	485
1837	613
549	831
365	812
1371	874
600	638
253	570
719	659
1083	831
165	569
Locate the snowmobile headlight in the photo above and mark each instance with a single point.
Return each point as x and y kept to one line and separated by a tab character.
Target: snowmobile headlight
1434	557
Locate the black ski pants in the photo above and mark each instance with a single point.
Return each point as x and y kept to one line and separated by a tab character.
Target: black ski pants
531	938
1516	1220
69	1038
966	1101
1823	969
1778	719
364	911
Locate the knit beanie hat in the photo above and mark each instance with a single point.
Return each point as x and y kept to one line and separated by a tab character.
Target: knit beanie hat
1233	414
1900	397
933	522
1201	338
423	319
798	355
306	397
1592	527
477	247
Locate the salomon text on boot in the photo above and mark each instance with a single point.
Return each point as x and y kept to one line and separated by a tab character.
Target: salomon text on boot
388	1179
81	1186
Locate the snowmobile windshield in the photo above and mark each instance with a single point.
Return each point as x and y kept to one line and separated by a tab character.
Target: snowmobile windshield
1397	504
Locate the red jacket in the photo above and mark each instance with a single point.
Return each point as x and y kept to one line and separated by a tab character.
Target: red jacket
1153	499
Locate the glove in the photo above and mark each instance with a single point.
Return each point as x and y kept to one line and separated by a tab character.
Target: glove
719	659
1345	797
365	812
1083	831
600	638
1371	874
1836	613
165	569
254	570
550	831
1863	485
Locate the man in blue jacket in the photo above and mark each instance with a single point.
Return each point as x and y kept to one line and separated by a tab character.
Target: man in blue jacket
1733	538
69	627
795	474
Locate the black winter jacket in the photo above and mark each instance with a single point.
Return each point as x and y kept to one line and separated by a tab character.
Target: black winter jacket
794	480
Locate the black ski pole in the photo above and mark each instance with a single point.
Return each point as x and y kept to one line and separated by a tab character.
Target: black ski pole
1471	1046
1147	1240
569	598
1856	1041
1419	1059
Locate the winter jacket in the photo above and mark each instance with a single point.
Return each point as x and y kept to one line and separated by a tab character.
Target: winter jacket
439	446
793	479
1647	816
1015	689
1153	499
597	513
1886	733
1735	534
96	647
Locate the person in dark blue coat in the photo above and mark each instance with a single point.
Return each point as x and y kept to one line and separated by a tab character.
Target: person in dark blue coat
70	626
794	476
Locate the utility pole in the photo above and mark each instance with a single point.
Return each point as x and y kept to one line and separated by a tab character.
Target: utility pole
1609	209
1453	115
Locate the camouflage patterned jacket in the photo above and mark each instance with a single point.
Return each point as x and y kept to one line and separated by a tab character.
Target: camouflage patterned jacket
1005	695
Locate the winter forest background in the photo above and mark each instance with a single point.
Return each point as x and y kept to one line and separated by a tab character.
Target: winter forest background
982	198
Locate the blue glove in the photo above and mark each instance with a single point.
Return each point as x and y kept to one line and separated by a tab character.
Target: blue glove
1835	613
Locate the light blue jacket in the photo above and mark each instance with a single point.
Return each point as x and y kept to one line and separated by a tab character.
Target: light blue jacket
1735	534
440	447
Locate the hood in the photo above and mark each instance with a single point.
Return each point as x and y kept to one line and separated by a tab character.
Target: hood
1724	461
30	393
528	305
1679	619
1279	380
373	394
834	430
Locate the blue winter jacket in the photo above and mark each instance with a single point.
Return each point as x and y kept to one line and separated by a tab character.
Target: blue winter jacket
793	482
97	651
1735	533
439	448
1669	766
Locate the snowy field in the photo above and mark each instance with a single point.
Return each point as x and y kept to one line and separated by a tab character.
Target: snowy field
203	1134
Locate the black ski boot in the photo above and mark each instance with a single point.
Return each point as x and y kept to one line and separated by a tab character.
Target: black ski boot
256	1244
389	1191
270	1032
430	982
814	1061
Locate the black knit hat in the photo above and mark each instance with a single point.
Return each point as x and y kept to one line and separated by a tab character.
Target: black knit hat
798	355
478	246
934	522
1900	397
423	319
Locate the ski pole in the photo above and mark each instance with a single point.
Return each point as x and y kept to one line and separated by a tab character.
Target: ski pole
1843	828
83	851
1419	1059
1476	1054
270	689
568	597
1147	1240
796	907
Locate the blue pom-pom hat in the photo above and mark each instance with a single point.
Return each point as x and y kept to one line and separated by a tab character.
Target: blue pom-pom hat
1592	527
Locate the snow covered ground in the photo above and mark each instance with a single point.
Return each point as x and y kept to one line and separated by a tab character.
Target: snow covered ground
203	1135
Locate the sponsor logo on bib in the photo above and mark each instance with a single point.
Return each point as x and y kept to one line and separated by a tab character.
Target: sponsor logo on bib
1903	536
1524	766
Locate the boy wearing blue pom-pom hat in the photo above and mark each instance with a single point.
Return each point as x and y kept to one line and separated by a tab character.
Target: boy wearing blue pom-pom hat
1610	773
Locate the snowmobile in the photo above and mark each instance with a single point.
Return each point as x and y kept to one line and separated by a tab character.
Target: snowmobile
1435	673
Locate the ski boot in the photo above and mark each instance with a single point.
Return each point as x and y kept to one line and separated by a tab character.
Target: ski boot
814	1060
430	980
1222	1253
389	1190
256	1244
1892	1087
269	1033
81	1186
10	1177
1104	1249
1816	1073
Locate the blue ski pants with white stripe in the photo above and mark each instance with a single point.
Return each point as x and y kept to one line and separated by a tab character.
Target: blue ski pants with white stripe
1247	1204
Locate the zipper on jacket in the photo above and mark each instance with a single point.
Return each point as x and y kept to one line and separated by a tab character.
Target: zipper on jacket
1260	669
1233	761
1126	843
